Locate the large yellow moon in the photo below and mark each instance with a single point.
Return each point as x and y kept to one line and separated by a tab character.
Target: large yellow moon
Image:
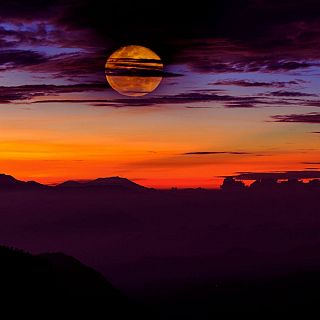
134	70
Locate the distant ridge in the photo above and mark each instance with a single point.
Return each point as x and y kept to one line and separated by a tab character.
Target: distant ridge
114	183
9	182
110	182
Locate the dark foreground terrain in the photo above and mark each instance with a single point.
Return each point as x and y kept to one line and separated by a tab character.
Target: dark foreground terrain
50	274
181	252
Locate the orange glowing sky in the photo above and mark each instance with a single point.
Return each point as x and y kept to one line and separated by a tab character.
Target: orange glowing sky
55	142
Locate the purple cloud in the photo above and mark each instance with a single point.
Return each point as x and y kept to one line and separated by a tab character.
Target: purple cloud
27	92
249	83
183	98
10	59
282	93
312	117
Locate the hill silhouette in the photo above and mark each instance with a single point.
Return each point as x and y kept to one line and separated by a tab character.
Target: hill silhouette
51	274
60	283
9	182
110	182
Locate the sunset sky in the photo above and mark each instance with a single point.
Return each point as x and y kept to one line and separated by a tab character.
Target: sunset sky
240	91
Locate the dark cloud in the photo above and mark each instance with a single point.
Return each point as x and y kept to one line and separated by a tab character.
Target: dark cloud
200	107
305	174
7	38
249	83
19	10
73	66
223	56
310	162
254	33
10	59
183	98
92	102
210	36
27	92
241	104
18	35
201	96
282	93
287	65
312	103
210	64
141	22
90	65
313	117
215	152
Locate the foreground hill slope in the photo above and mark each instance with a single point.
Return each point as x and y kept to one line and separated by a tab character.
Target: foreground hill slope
51	274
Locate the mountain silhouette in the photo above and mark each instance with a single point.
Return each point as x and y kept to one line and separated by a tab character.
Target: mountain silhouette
111	182
9	182
114	183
